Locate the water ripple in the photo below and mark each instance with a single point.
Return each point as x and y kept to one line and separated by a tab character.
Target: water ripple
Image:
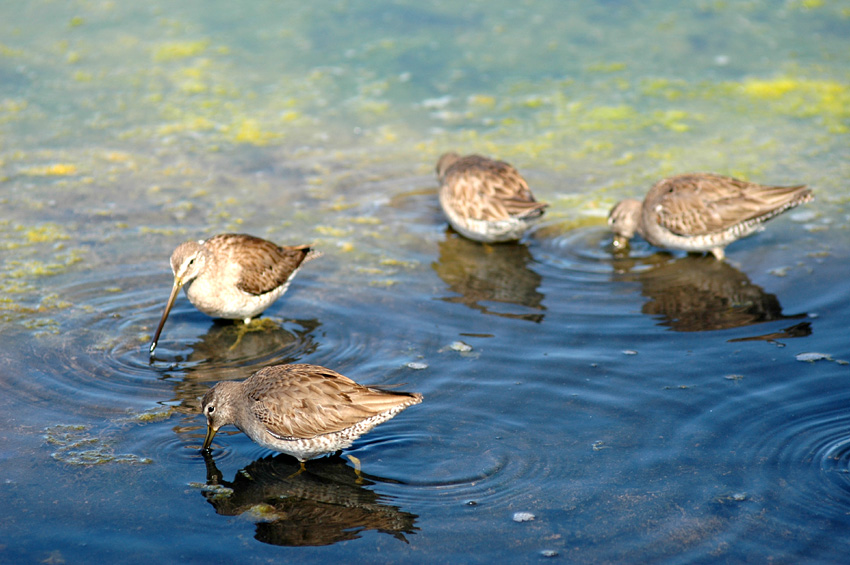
797	468
815	444
419	454
583	254
123	308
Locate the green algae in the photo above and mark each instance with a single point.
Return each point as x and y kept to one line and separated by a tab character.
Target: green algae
75	445
31	253
175	50
603	126
36	268
58	169
332	231
18	235
213	492
6	51
826	100
192	86
249	130
158	414
610	67
263	512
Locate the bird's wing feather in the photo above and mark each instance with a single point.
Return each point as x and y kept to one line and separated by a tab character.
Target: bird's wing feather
701	204
292	405
264	266
490	190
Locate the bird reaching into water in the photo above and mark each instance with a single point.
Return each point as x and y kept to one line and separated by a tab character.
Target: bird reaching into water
701	212
305	411
484	199
232	276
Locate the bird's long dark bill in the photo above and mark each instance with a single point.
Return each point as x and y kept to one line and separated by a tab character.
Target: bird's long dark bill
208	440
174	290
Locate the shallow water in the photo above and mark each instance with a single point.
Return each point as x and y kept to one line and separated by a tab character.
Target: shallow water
642	407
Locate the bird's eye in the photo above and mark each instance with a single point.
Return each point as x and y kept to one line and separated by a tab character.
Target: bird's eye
210	409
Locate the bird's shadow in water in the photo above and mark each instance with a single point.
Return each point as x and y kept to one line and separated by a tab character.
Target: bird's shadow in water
326	503
699	293
490	273
229	344
229	341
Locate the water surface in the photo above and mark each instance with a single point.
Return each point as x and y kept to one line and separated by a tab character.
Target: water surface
579	404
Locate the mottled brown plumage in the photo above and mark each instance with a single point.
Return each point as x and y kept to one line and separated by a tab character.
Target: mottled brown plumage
484	199
232	276
302	410
702	211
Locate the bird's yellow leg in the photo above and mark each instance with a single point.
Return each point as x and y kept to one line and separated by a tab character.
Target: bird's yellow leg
356	462
255	325
298	472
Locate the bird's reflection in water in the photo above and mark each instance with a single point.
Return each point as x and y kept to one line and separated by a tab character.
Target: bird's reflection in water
699	293
482	274
802	329
228	341
228	352
325	504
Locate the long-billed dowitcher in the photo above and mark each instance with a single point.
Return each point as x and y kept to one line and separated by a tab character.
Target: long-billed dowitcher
701	212
484	199
302	410
232	276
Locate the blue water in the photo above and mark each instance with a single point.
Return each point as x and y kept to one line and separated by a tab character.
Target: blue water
579	404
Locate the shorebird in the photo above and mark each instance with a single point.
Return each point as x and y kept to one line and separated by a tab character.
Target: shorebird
701	212
305	411
232	276
484	199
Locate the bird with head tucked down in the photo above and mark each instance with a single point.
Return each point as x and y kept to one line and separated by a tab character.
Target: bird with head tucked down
484	199
701	212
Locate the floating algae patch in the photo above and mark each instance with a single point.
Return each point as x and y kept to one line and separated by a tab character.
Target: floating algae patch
827	99
250	131
43	233
606	67
38	268
390	262
564	120
29	253
670	89
75	445
6	51
179	50
158	414
609	118
784	95
10	108
332	231
213	492
263	512
55	170
41	326
726	126
17	235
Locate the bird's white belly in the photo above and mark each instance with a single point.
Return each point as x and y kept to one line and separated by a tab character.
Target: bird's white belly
661	237
227	301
